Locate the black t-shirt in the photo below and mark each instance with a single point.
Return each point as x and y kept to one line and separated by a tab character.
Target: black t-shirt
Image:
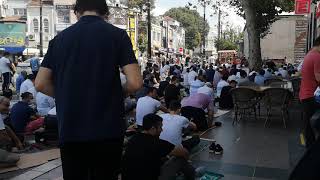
143	155
162	86
85	60
171	93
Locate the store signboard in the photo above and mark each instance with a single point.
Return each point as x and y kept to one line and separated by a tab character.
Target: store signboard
118	16
64	7
12	35
302	6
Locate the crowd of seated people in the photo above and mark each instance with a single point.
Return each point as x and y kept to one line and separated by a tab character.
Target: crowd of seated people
32	116
184	97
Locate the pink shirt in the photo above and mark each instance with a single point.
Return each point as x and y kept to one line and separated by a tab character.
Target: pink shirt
309	84
197	100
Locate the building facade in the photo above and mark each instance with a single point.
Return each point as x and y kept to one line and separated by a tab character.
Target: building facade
173	36
16	8
33	24
287	40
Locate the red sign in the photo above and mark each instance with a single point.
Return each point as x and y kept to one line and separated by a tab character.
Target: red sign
303	6
318	11
181	50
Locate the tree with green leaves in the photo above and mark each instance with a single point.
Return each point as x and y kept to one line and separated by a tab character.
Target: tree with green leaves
139	4
229	40
259	16
192	22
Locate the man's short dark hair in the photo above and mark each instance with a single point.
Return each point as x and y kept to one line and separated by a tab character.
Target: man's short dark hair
243	74
233	81
99	6
317	42
194	68
151	120
6	54
175	105
174	78
262	72
8	93
151	89
31	77
225	77
25	95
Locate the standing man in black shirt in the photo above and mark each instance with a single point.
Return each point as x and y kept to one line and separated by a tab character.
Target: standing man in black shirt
145	154
81	70
172	91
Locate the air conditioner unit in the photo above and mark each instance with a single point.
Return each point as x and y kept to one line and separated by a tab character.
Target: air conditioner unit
31	37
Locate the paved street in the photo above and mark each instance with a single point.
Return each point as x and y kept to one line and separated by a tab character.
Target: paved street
250	150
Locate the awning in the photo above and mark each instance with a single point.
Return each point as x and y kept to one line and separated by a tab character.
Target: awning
33	51
13	50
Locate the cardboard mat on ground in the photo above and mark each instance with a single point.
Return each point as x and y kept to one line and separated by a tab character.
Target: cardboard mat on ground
33	159
220	113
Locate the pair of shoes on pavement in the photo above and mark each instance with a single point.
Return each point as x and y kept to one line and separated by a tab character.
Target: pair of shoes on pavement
216	149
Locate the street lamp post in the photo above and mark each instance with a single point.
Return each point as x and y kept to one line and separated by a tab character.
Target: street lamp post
149	29
219	28
41	31
167	38
204	27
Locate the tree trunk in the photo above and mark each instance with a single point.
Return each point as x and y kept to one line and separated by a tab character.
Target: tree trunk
255	61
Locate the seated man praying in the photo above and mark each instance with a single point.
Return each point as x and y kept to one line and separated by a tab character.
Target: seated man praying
145	154
23	117
174	125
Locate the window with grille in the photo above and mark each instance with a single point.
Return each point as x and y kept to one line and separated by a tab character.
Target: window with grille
35	25
46	25
20	12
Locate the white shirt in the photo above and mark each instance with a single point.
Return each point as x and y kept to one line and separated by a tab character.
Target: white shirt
164	69
206	90
123	79
4	68
2	125
216	78
284	73
221	84
26	86
195	85
300	66
172	126
53	112
146	105
232	78
44	103
191	76
185	79
33	91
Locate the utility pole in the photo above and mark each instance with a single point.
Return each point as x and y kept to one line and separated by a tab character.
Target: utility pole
219	28
167	38
41	31
149	29
204	27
